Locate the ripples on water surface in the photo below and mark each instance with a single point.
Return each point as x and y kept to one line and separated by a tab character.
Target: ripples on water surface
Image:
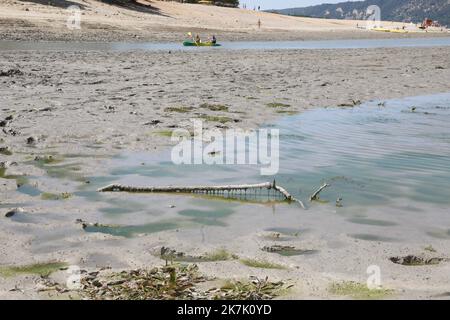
388	162
237	45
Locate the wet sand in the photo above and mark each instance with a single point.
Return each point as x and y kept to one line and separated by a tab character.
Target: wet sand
89	106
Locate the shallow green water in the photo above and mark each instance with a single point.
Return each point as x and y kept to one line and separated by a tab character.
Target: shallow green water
133	230
389	165
369	155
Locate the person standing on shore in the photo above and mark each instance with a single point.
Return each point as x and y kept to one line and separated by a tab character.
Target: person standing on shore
259	23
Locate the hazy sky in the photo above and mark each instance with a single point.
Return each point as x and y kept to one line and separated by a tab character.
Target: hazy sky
280	4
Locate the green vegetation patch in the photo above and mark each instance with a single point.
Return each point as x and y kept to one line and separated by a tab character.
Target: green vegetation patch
287	112
20	179
217	255
178	109
277	105
358	290
3	173
129	231
220	119
54	196
288	251
56	169
214	107
262	264
169	133
41	269
164	133
47	159
5	151
430	248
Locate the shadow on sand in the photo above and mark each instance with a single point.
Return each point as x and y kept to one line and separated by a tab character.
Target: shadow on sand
143	6
56	3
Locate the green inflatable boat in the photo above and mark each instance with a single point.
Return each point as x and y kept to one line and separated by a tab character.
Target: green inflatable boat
201	44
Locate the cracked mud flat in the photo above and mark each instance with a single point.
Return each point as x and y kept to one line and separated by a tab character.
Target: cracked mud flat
86	108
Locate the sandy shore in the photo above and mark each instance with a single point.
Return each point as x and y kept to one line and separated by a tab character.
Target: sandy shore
90	106
170	21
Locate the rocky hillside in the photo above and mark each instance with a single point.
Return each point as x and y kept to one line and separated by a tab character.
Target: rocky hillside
391	10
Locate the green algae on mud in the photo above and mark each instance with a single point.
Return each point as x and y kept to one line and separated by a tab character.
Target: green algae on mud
214	107
181	109
54	196
21	180
277	105
48	159
220	119
55	167
261	264
66	171
41	269
128	231
288	251
164	133
5	151
219	255
287	112
358	291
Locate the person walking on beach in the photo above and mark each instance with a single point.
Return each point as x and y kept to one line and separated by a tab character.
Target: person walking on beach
259	23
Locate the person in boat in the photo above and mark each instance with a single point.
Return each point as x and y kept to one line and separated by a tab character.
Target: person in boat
213	39
197	39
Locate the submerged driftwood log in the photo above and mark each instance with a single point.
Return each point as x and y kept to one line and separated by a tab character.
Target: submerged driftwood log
243	188
315	195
